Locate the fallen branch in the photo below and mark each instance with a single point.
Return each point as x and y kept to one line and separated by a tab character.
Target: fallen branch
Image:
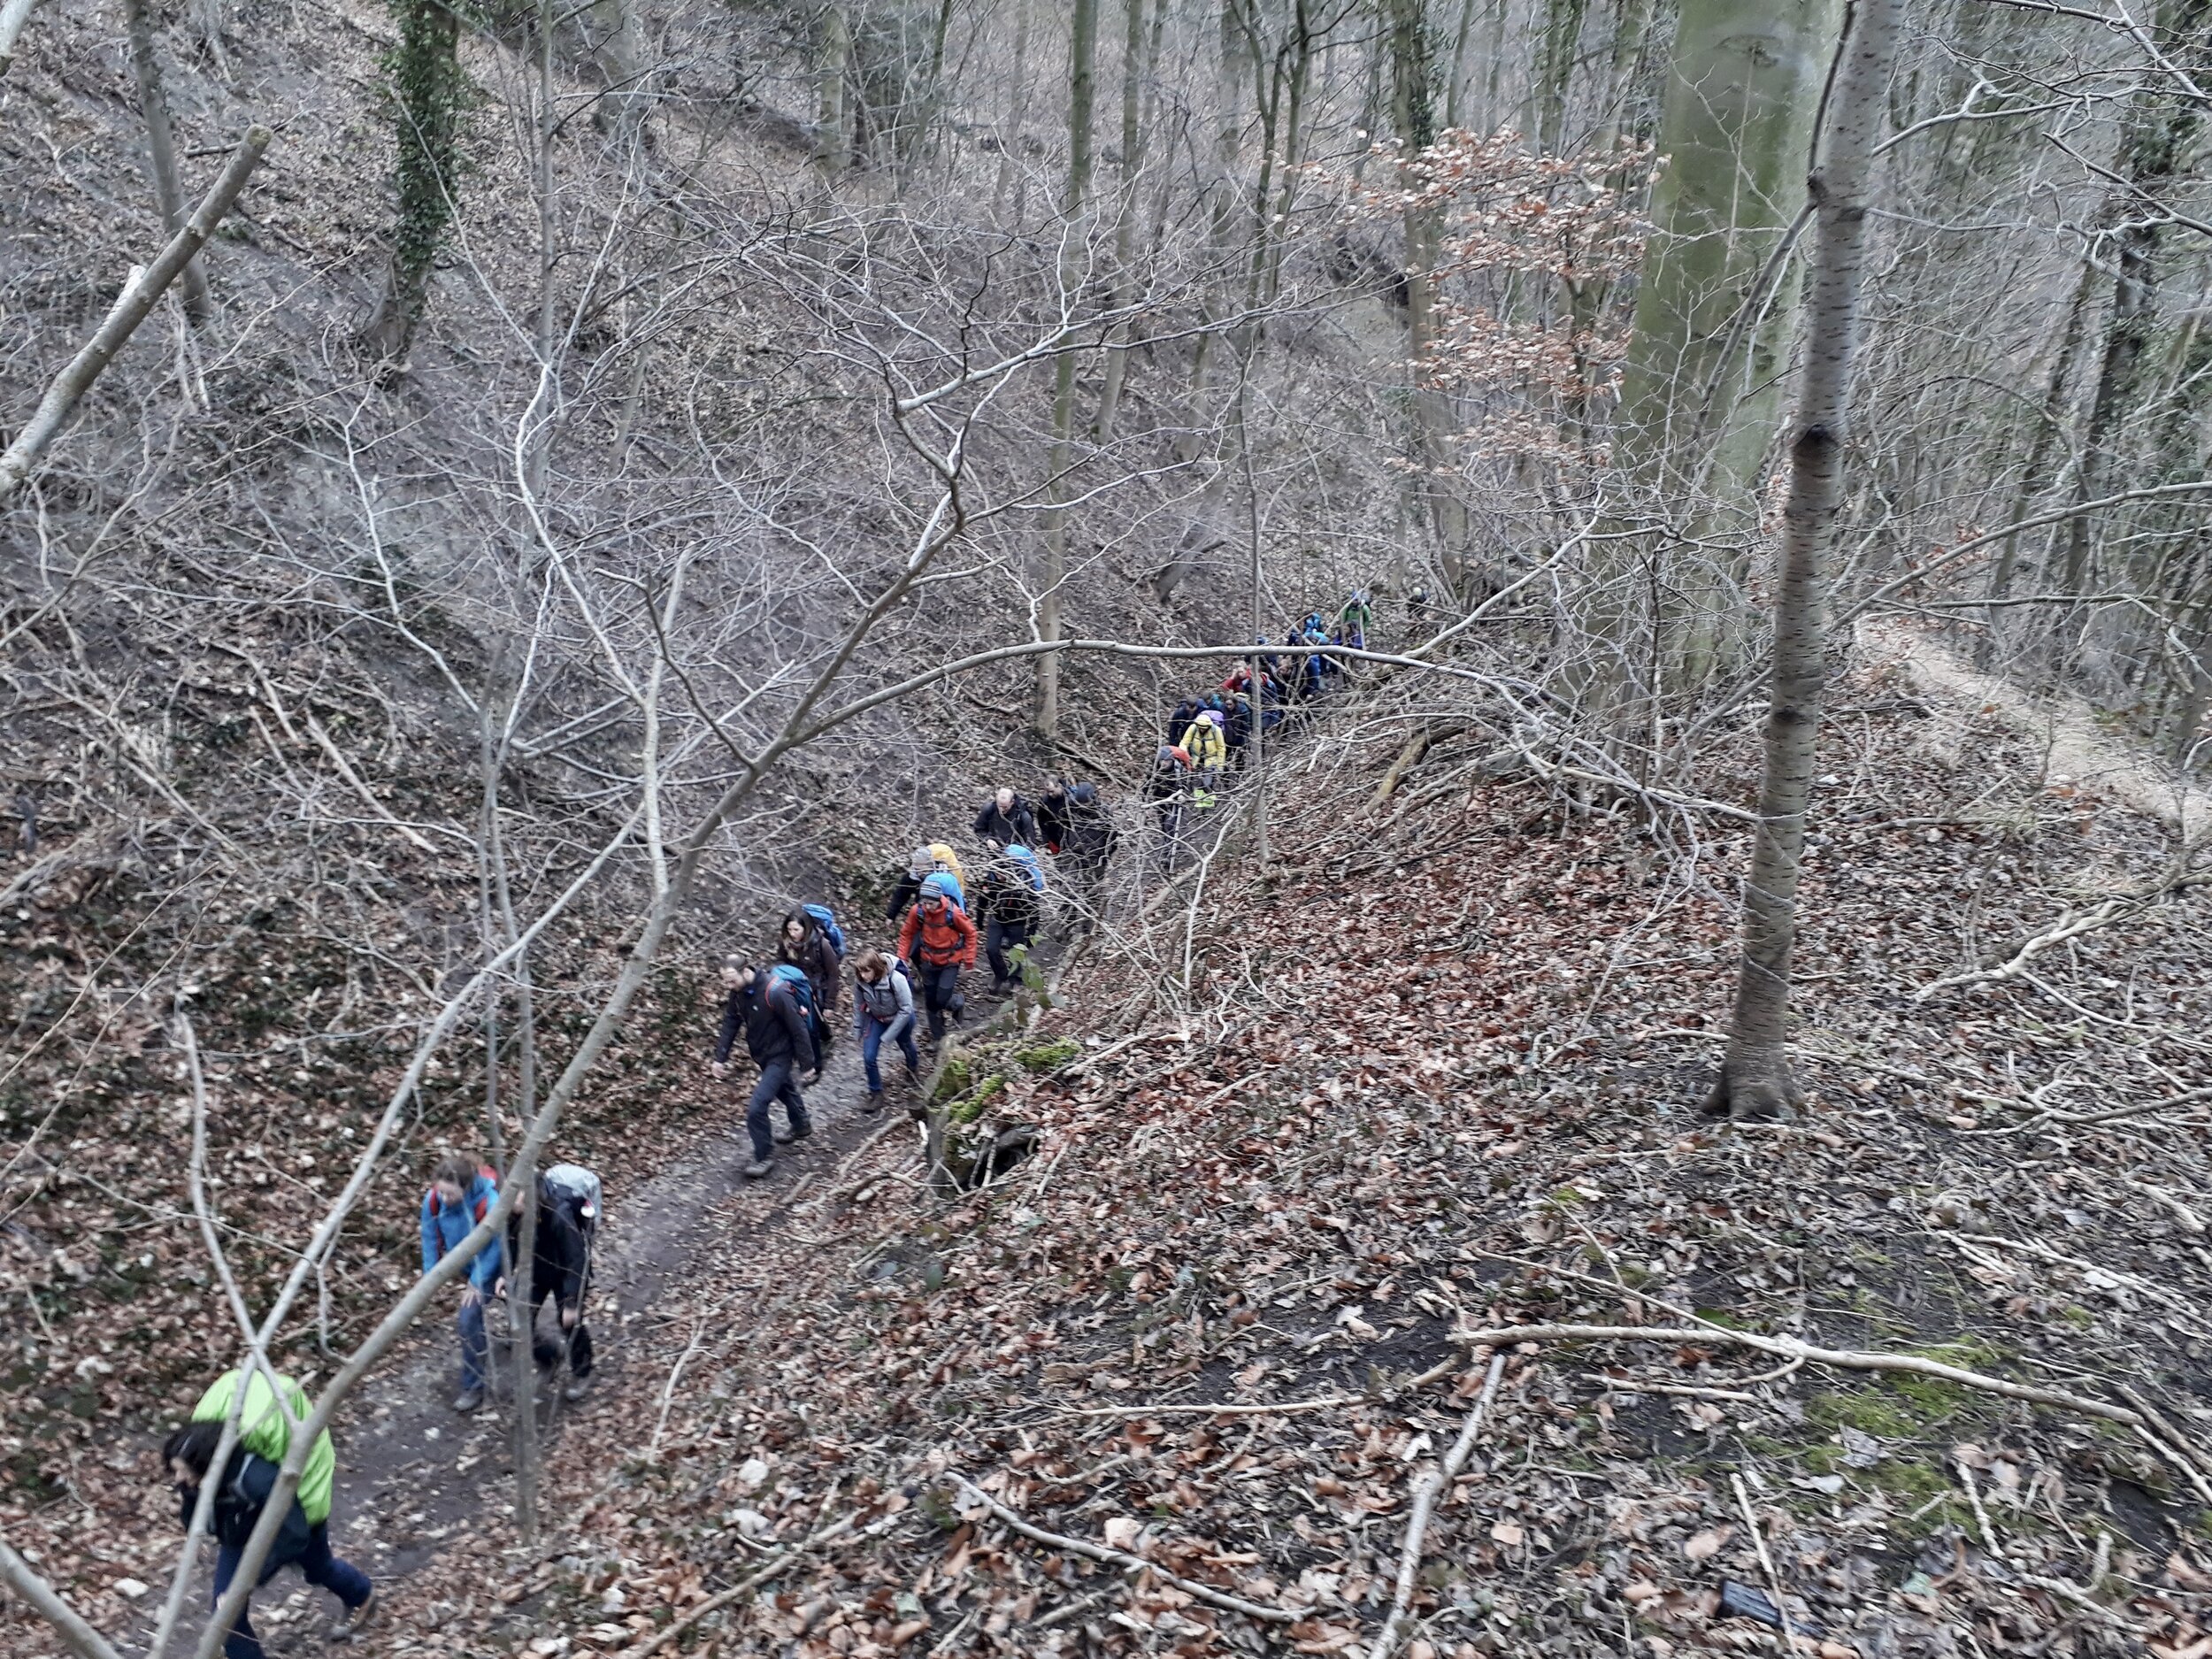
43	1599
1127	1563
1789	1347
720	1599
1790	1637
1433	1486
13	16
1409	758
132	307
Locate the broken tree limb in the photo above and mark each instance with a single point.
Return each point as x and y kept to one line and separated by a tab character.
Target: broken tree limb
1409	758
1789	1347
13	16
43	1599
132	306
1432	1488
1127	1563
161	147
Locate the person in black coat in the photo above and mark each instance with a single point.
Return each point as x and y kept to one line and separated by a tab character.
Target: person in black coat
560	1266
1053	817
1006	818
777	1037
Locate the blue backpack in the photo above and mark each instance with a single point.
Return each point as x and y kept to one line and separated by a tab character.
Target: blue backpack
801	990
826	920
1022	855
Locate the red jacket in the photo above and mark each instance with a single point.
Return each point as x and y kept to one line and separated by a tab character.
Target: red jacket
948	938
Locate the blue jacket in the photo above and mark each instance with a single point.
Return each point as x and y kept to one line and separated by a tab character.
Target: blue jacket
443	1228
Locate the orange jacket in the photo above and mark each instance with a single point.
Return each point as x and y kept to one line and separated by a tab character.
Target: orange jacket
947	939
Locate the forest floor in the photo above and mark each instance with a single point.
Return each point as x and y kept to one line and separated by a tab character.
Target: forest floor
1436	1070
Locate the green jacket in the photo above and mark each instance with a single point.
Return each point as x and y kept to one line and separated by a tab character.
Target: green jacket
263	1430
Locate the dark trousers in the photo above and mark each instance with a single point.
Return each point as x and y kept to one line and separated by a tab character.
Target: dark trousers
999	937
316	1564
547	1350
941	994
871	1030
472	1344
779	1081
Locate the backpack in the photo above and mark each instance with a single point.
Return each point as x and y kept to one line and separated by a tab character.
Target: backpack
826	920
801	988
575	1189
1027	860
484	1172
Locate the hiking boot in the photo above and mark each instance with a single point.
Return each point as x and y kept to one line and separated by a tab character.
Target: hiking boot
759	1169
578	1388
469	1399
785	1137
348	1624
872	1107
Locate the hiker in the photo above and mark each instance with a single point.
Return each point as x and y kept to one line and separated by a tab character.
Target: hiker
936	858
460	1194
1052	818
1354	619
1207	748
560	1267
1014	895
938	940
883	1010
803	943
779	1035
1169	791
1087	848
244	1486
1237	730
1178	720
1006	818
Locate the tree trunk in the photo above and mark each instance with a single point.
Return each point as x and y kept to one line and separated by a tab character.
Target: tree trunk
1074	260
1755	1080
832	62
161	150
1554	71
427	90
1736	127
1136	70
622	60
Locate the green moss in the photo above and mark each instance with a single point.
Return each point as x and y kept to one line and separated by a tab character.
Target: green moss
1049	1056
1726	1320
951	1082
970	1109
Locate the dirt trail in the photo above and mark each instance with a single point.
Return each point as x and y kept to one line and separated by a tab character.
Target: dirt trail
2079	750
413	1475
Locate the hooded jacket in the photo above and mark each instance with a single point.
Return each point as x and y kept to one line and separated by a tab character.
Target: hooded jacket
940	941
561	1261
813	956
263	1430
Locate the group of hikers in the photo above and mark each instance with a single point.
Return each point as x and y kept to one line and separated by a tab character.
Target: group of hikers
785	1007
461	1193
1209	735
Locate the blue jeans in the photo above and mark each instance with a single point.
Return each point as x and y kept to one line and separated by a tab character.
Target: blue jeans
871	1030
317	1565
941	994
779	1080
472	1344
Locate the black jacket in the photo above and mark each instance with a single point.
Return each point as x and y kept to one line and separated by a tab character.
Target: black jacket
902	895
1017	825
562	1260
1008	896
1055	815
244	1493
816	958
1089	841
773	1023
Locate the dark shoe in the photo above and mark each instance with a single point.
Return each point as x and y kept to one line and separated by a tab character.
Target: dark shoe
468	1399
579	1389
759	1169
872	1107
785	1137
348	1624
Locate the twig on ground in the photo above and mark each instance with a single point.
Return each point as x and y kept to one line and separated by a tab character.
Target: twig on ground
1433	1486
1790	1638
722	1598
1127	1563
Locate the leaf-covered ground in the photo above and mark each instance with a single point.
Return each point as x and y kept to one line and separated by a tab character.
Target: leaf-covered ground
1438	1069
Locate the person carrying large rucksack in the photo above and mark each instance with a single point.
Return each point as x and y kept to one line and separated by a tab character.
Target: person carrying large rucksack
460	1194
802	942
934	859
777	1017
1014	896
883	1010
939	940
560	1268
1006	818
1207	747
246	1484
